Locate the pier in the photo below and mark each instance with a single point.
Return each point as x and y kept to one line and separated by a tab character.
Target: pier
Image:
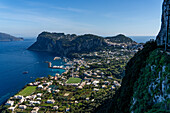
55	67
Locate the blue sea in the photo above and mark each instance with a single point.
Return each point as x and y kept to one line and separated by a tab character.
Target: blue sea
15	59
142	39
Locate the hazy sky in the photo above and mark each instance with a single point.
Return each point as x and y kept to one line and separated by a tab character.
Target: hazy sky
28	18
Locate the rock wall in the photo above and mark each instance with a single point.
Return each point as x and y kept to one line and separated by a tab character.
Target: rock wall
162	36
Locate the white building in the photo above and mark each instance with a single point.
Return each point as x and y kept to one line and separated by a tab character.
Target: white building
22	106
50	101
35	102
10	103
55	107
35	110
11	108
40	86
95	89
39	94
18	97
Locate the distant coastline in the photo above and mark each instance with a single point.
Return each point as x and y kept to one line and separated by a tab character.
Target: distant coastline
142	39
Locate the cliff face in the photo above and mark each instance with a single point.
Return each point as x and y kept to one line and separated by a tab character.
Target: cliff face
67	45
64	45
164	36
151	90
7	37
145	86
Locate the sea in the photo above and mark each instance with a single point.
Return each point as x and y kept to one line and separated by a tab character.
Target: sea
16	59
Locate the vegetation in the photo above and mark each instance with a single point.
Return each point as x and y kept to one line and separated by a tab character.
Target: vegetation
145	92
27	91
120	39
74	80
122	98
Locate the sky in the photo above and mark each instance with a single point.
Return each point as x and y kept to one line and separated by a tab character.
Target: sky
28	18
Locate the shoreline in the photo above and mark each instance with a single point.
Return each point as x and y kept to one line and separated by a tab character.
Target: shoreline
5	100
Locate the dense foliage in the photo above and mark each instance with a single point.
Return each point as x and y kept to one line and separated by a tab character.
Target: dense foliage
147	89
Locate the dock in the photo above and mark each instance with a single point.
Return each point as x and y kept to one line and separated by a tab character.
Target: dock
55	67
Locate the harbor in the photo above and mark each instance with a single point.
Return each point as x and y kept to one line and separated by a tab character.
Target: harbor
54	67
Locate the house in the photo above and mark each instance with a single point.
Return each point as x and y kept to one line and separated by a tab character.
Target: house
55	107
113	87
110	77
22	100
67	109
39	94
57	91
49	90
34	102
11	108
50	101
87	98
116	83
38	99
95	82
18	97
80	87
30	84
40	86
34	96
95	89
76	102
9	103
22	106
28	97
35	110
104	86
88	83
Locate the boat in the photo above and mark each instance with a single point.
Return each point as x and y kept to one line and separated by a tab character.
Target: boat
25	72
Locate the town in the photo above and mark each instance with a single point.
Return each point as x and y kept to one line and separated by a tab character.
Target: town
88	81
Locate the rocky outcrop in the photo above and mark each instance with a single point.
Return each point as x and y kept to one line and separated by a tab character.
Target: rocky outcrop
7	37
120	39
65	45
164	34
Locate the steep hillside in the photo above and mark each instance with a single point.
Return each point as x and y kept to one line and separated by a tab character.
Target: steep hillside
67	45
145	86
7	37
151	90
164	34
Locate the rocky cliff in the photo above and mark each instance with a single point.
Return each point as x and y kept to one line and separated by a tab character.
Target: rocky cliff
67	45
164	34
145	86
7	37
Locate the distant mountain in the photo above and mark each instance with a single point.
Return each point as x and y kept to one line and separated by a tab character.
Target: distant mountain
120	39
7	37
66	45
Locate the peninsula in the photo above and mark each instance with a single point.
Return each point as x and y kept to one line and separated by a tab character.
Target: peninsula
70	45
7	38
